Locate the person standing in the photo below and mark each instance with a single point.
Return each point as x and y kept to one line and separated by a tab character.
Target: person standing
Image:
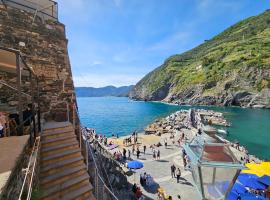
124	154
158	154
2	124
165	142
144	149
173	170
178	174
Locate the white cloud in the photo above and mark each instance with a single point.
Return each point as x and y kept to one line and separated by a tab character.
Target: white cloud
96	62
100	80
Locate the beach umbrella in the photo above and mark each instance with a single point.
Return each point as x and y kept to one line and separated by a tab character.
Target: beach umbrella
237	189
258	169
251	181
250	196
265	180
135	164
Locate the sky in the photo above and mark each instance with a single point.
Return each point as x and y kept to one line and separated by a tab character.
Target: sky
117	42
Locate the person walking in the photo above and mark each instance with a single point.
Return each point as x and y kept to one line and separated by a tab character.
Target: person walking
178	174
129	154
173	170
138	153
144	149
165	143
158	154
154	155
133	149
124	154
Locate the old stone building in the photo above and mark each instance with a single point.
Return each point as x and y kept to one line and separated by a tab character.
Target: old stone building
43	44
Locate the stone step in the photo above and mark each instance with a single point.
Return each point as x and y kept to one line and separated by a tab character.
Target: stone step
61	175
53	126
59	148
46	160
81	194
57	130
59	140
60	166
68	187
52	135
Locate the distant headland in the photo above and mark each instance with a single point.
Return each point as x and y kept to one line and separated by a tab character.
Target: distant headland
103	91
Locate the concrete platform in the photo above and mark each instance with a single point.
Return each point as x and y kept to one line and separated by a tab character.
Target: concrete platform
10	150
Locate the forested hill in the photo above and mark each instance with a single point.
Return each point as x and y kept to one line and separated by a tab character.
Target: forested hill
233	68
103	91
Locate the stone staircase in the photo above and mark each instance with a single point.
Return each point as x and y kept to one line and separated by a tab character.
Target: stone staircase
63	173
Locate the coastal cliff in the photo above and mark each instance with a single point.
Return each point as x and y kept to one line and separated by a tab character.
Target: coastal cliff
233	68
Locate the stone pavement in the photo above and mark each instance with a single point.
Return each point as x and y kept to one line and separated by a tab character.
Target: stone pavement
160	171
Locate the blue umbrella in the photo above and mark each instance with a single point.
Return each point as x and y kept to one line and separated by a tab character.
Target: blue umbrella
250	196
265	180
250	180
237	190
135	164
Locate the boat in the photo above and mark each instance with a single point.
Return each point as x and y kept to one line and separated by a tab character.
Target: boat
222	131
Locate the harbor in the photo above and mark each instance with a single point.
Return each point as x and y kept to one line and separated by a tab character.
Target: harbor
168	136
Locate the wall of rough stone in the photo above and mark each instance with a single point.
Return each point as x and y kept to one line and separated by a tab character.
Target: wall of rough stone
46	52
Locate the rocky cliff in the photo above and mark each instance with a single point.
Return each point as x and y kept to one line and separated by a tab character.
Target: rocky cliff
233	68
46	52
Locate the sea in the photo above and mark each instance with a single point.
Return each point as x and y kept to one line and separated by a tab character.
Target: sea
122	116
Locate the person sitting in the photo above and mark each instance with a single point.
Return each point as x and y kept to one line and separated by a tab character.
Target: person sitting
134	188
138	192
159	144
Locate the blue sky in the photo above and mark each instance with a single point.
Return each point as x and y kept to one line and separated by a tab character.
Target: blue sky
117	42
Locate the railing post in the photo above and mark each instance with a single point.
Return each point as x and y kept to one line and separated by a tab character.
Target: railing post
19	81
38	106
68	111
86	154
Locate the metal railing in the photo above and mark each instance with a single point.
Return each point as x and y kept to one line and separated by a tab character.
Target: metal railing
30	172
101	190
46	9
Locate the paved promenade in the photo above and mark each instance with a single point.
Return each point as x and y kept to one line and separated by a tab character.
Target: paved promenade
160	171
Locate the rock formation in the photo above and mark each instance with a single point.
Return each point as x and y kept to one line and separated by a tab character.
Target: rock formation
233	68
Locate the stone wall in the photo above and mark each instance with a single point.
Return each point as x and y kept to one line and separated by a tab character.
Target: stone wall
112	173
46	52
14	184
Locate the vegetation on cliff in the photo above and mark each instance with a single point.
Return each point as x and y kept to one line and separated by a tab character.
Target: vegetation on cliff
233	68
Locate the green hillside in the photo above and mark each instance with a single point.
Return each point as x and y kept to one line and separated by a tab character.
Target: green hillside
233	64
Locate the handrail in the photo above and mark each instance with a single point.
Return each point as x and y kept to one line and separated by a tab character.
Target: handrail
13	88
54	14
91	152
75	113
35	151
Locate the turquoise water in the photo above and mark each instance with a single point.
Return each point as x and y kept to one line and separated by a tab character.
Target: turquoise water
251	127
